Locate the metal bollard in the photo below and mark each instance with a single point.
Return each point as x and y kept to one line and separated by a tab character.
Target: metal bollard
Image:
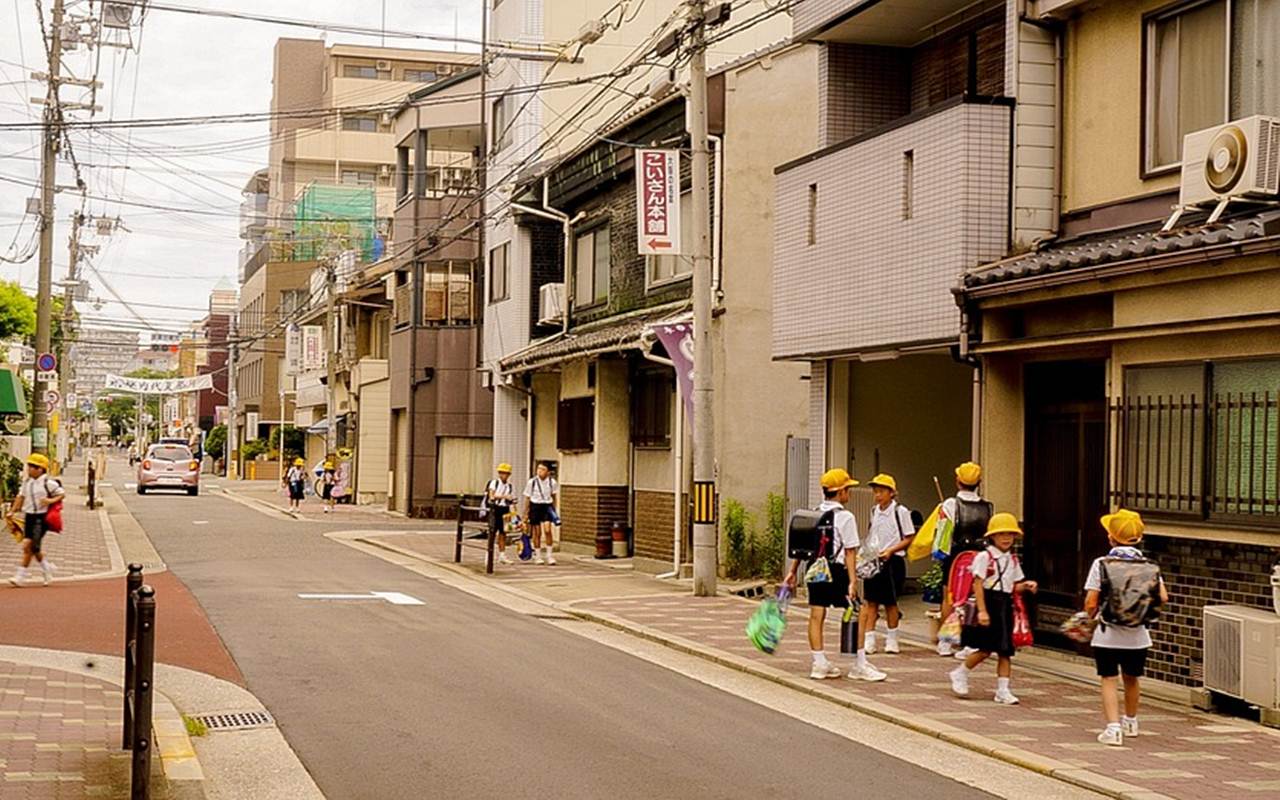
457	545
141	694
132	583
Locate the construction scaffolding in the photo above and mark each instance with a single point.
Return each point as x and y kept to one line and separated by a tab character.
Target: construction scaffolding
331	219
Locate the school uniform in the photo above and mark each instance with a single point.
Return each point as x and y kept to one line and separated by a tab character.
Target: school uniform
503	495
296	478
888	526
999	572
1117	648
844	536
33	511
541	493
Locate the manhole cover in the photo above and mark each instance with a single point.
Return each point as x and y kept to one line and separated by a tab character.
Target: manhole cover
235	720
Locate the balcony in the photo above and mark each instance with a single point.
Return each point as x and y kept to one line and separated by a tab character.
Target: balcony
893	23
445	219
253	215
871	234
328	145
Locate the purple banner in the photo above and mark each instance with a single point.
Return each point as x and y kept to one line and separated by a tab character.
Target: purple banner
677	338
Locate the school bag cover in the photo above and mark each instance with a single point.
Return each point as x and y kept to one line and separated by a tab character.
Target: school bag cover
805	531
1130	591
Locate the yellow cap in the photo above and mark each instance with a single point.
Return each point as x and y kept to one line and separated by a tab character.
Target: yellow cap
885	480
837	478
504	467
1124	526
38	460
1004	522
297	462
328	465
969	473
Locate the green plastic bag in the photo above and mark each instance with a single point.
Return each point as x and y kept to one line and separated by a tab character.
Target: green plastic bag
769	622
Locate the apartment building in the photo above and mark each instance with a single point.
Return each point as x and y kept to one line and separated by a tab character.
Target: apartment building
97	353
546	43
1131	359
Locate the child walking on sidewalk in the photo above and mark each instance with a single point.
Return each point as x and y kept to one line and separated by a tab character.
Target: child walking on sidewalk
997	577
1126	591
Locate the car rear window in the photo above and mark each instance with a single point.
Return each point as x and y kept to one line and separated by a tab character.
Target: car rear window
171	454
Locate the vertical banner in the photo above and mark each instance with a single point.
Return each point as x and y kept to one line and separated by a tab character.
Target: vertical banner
677	338
658	202
292	349
313	355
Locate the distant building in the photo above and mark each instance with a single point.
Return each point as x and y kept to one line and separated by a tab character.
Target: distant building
97	353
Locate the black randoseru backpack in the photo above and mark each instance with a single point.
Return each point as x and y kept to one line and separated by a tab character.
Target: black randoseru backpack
805	533
1130	591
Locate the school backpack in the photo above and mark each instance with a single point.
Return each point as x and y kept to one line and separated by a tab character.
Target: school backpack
805	533
1130	591
971	521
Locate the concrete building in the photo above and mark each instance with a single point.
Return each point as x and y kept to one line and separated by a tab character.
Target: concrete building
526	129
99	352
1124	365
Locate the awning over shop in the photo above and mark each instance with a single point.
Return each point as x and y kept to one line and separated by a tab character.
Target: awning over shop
590	340
12	399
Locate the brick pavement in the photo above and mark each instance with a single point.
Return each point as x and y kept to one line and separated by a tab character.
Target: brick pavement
81	549
1181	753
59	735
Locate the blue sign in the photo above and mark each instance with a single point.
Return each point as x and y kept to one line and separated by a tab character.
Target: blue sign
46	362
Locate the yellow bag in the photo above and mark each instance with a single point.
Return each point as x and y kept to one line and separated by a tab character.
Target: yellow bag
14	528
922	545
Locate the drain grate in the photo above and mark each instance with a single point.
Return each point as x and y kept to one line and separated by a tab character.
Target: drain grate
236	720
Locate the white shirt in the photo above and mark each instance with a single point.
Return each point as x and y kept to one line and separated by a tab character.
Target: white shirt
36	489
295	475
846	528
541	490
1117	636
1004	567
949	505
883	532
502	492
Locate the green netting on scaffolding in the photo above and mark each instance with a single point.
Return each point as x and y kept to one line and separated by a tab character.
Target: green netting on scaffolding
330	219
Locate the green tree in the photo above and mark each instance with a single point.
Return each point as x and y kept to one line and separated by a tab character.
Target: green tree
17	312
215	444
295	441
119	412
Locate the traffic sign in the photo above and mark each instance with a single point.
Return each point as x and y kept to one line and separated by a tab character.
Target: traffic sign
16	425
48	376
658	201
46	362
51	399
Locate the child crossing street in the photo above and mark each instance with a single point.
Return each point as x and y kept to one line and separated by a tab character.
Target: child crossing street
1124	592
998	577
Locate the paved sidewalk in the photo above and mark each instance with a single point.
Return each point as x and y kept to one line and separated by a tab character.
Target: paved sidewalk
1181	753
83	549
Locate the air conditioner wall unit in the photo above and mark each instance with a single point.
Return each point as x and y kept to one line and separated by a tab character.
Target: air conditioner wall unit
550	303
382	65
116	15
1242	654
1240	159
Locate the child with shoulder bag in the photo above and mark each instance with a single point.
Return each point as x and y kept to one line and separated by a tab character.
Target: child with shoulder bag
1123	593
997	578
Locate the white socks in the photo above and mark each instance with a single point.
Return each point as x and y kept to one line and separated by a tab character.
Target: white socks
1002	684
819	658
862	658
891	635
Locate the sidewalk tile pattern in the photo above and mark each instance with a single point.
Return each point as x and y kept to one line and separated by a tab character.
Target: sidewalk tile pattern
59	735
1180	753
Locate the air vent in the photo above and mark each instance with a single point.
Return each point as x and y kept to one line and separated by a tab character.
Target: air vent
236	720
1223	637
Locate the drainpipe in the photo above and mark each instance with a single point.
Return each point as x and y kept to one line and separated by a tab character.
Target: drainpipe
677	446
717	252
567	222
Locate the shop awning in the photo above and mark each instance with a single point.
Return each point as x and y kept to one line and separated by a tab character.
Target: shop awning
606	337
12	399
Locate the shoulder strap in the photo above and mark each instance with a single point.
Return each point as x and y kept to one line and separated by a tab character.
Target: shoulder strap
897	517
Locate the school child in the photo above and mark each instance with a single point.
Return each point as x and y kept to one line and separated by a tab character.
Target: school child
296	481
328	479
969	513
889	534
997	576
37	494
500	496
1124	592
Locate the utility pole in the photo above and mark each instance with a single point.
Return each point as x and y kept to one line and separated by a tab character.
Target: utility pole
705	538
64	349
44	282
331	359
230	450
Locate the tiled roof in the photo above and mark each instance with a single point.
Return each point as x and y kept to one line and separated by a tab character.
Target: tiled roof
1139	242
608	336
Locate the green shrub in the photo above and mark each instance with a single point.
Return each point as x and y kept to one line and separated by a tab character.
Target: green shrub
772	546
252	449
739	538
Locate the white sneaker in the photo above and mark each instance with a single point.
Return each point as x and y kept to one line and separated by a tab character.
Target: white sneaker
538	559
551	560
866	672
944	649
1005	697
965	652
891	645
502	558
869	644
17	580
959	681
1111	736
824	670
1129	727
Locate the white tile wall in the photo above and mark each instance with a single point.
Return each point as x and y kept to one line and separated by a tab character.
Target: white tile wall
809	14
874	280
817	428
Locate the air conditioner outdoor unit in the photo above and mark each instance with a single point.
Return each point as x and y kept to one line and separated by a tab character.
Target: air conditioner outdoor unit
1242	656
384	170
382	65
550	303
116	15
1238	160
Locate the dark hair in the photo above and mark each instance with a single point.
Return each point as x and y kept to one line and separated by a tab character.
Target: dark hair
968	487
546	464
829	493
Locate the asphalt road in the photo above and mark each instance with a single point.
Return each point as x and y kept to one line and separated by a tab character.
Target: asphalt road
461	698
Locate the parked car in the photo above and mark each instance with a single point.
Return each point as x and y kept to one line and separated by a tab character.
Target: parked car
169	466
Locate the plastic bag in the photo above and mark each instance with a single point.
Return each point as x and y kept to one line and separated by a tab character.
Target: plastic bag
951	629
768	622
1079	627
1022	636
818	572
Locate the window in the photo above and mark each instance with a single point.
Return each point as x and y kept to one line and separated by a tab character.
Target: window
420	75
498	273
667	268
292	300
908	181
811	236
576	424
362	124
357	71
1208	62
651	393
501	122
404	165
591	267
1201	441
359	177
446	293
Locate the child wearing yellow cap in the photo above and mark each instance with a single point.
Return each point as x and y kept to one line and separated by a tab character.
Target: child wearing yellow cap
889	534
1124	592
295	480
499	497
969	513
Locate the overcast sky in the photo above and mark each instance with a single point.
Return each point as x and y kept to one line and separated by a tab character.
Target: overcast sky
185	65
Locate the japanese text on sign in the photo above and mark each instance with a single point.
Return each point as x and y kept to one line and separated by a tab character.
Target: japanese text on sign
658	201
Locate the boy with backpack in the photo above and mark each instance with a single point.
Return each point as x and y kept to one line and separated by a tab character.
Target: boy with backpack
38	493
1124	592
834	588
499	497
969	515
882	565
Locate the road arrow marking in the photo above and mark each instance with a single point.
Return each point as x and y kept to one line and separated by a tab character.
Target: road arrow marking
394	598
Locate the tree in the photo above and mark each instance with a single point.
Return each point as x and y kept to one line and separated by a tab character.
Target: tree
17	312
119	412
295	441
215	444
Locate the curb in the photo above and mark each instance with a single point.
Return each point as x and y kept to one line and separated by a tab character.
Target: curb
262	506
861	703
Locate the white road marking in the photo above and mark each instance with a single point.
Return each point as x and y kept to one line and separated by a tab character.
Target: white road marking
394	598
131	486
105	484
199	522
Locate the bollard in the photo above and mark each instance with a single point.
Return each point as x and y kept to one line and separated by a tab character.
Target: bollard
140	694
457	546
132	583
